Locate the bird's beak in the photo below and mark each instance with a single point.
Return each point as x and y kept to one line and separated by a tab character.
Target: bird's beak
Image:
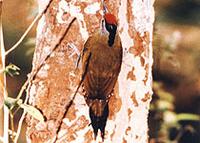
105	10
103	30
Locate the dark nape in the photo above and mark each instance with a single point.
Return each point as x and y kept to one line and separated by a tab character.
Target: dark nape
112	29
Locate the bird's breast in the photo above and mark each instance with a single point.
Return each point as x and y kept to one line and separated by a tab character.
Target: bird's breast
103	66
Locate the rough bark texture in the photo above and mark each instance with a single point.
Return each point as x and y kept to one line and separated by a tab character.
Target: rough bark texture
56	81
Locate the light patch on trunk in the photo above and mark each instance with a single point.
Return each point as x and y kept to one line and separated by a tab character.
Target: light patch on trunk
80	103
63	7
93	8
40	27
74	11
139	72
32	93
42	5
127	42
142	11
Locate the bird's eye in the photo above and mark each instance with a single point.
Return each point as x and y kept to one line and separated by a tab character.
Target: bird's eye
111	27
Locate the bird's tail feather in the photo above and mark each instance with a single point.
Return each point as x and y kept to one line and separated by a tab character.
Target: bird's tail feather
99	122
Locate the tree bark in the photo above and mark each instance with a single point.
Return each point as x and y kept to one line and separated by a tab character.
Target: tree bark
61	34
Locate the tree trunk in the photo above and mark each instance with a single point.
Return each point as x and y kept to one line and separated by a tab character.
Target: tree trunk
61	34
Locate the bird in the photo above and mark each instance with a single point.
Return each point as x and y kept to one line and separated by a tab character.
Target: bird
101	64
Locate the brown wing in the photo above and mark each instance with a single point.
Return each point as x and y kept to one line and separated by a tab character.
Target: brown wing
102	68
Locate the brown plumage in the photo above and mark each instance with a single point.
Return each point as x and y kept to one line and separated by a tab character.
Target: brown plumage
101	65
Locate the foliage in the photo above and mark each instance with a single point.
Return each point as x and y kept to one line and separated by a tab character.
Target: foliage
166	126
12	70
33	111
11	102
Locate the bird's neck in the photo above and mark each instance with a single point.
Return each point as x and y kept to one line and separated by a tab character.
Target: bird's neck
109	34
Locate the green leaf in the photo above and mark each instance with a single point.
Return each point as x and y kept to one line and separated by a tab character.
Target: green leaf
165	95
156	85
10	102
12	70
169	117
165	105
33	111
188	116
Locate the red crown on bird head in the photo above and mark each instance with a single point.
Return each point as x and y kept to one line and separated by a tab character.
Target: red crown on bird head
110	18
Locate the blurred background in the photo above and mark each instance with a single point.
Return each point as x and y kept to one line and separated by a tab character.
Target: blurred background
175	108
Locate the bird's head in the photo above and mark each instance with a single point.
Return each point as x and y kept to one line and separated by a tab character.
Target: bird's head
110	24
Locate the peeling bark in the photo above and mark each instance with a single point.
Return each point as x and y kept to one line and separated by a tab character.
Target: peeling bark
56	80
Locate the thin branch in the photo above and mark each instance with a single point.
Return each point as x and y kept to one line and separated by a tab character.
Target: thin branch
11	132
21	39
20	122
24	35
1	139
6	111
16	110
20	126
26	32
12	125
23	88
28	29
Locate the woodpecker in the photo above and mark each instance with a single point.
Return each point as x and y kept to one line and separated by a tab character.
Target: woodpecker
101	64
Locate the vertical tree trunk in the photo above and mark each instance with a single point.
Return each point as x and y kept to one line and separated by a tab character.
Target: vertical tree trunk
60	39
